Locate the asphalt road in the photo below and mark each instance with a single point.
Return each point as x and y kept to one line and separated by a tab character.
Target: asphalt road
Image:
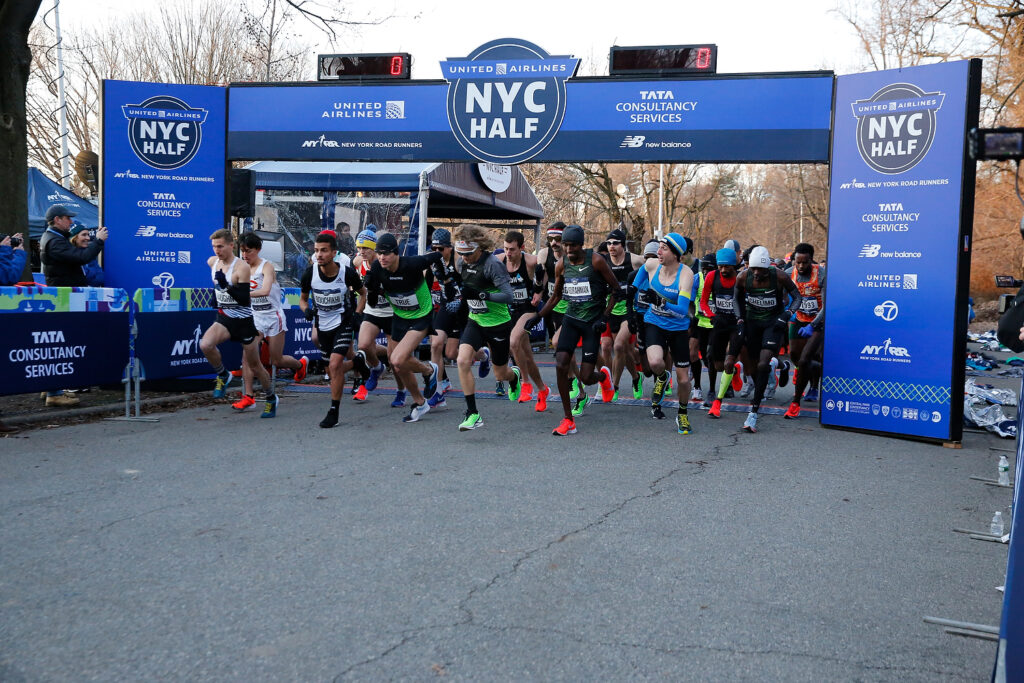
217	546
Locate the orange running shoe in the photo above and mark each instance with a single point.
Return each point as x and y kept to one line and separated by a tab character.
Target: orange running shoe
542	399
566	426
360	394
607	390
300	374
793	411
737	377
236	373
716	408
525	392
243	403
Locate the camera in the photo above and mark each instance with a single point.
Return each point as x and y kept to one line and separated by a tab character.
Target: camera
996	144
15	242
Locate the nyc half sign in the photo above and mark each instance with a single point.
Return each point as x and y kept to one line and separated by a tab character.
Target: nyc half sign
896	126
506	100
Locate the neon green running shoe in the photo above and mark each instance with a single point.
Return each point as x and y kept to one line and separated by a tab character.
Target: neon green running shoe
581	404
513	394
472	421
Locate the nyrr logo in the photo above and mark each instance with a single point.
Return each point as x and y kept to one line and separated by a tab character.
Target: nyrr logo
506	100
187	347
164	132
886	352
322	141
896	127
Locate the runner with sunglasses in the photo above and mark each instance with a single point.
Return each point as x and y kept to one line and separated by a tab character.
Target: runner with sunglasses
617	341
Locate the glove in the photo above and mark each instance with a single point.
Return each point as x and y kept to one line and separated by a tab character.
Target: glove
651	297
452	306
309	313
221	279
531	323
599	325
471	293
805	331
632	324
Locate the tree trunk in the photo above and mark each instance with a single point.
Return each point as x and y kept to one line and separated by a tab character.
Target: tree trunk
15	57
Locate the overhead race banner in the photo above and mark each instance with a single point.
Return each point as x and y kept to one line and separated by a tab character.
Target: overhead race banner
897	244
510	102
162	192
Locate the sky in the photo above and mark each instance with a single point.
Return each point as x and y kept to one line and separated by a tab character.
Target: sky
752	36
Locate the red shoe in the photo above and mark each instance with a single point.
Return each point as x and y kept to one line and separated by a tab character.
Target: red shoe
236	373
793	411
542	399
300	374
525	392
737	377
566	426
243	403
607	390
716	408
360	394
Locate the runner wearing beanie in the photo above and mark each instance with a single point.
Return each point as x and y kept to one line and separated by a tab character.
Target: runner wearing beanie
763	319
636	322
616	342
666	323
449	312
585	280
717	302
700	335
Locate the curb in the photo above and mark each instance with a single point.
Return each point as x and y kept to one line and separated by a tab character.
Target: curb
32	418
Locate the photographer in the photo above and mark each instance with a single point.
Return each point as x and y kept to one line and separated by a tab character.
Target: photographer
62	260
12	259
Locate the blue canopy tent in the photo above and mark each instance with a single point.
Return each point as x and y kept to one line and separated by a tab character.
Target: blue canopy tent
44	193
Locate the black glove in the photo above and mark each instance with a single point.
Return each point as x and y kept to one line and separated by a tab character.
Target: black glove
633	324
470	292
599	325
309	313
531	323
221	278
651	297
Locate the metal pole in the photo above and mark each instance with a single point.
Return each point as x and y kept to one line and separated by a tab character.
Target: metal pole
661	198
424	199
801	221
65	172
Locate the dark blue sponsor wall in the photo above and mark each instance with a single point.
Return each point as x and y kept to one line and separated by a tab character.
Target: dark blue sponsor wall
1009	664
899	250
163	182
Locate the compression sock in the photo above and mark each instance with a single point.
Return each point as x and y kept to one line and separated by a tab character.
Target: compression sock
471	403
723	386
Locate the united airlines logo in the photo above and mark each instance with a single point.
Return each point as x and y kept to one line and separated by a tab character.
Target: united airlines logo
164	132
896	126
506	100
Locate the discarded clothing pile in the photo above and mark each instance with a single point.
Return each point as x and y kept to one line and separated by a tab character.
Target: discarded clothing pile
981	362
988	340
983	408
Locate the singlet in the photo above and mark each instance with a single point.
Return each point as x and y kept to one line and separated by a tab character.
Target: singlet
485	313
265	306
811	293
550	262
698	286
660	314
226	304
520	281
763	303
721	298
376	304
623	275
584	288
406	288
329	298
438	295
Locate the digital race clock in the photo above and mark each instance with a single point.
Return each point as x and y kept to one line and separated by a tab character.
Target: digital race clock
663	59
393	65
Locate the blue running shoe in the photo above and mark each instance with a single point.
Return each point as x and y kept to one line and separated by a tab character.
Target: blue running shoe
399	401
436	400
375	373
430	383
220	385
812	394
270	409
485	363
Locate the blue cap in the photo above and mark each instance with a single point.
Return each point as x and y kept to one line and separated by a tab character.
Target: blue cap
441	238
726	257
371	228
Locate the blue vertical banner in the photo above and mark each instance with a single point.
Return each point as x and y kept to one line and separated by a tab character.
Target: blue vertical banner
900	210
1010	653
162	193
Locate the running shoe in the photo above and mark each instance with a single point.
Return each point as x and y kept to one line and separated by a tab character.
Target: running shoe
417	411
574	390
270	407
472	421
750	424
581	403
812	394
707	403
668	386
331	419
737	376
659	391
221	384
361	366
793	411
525	392
616	396
499	388
716	408
542	399
638	386
445	386
607	391
361	394
356	383
729	393
437	400
748	388
696	395
375	373
430	383
683	424
399	401
513	394
784	373
300	374
566	426
769	391
245	402
485	363
657	413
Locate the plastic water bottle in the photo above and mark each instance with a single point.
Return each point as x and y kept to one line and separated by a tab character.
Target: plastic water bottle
996	527
1004	471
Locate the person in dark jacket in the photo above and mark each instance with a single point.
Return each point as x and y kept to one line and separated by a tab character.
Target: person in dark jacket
62	261
80	238
12	260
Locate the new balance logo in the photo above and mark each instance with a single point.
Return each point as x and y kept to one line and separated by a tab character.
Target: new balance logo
870	250
145	231
633	141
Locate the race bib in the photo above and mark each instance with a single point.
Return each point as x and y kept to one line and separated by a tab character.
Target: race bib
435	296
261	303
577	290
723	304
477	306
405	302
809	305
551	289
327	300
519	295
223	298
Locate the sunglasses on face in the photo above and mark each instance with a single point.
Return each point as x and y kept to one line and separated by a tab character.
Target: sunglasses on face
384	252
614	243
439	248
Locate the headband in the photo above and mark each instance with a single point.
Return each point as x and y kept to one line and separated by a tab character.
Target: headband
464	247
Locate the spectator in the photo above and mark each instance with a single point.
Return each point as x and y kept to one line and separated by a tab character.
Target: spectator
80	238
12	259
62	261
346	243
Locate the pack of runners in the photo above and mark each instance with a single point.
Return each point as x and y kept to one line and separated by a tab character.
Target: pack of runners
662	315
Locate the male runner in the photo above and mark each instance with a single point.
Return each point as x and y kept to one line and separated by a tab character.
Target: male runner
667	321
700	334
717	302
522	269
402	279
585	279
268	315
234	318
615	342
547	258
488	293
809	278
763	319
450	312
329	283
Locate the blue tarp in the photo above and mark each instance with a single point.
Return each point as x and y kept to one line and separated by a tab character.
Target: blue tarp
44	193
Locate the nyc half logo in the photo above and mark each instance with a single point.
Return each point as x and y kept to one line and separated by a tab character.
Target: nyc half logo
506	100
164	132
896	127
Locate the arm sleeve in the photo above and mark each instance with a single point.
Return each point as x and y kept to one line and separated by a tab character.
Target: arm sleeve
352	278
421	262
740	298
794	293
497	273
306	284
705	295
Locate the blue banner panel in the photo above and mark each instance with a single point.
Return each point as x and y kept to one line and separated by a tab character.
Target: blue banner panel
163	182
770	118
51	351
1010	653
893	248
168	344
298	340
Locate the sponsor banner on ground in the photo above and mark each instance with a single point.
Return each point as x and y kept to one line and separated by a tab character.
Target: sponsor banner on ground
893	249
38	299
168	344
163	170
